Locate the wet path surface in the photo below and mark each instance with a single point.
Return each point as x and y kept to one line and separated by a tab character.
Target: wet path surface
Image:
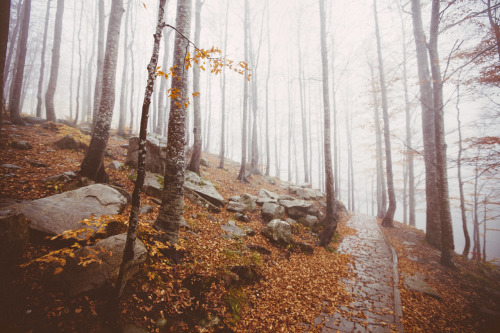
373	305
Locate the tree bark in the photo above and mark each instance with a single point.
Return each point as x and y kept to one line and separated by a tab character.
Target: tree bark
93	164
17	83
268	152
302	110
128	253
4	39
163	89
242	174
123	98
77	112
42	65
330	222
54	68
100	64
222	151
194	163
389	216
433	225
172	206
12	44
447	243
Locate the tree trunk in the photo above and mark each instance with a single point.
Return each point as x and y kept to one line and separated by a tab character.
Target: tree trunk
254	152
389	216
93	163
13	42
128	253
77	112
42	65
242	174
268	152
465	252
163	90
302	110
433	225
330	222
170	215
194	163
17	83
100	64
336	172
447	243
4	39
54	68
72	66
222	151
494	24
123	98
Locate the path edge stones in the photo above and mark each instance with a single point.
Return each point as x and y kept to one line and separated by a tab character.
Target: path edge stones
398	310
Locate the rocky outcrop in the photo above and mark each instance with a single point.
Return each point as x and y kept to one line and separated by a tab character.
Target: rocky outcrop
70	142
309	221
204	188
296	208
61	212
103	269
249	201
153	185
14	238
234	231
236	207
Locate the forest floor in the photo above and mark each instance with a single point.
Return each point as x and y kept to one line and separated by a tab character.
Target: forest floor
290	289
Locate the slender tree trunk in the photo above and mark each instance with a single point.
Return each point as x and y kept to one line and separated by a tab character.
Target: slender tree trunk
163	88
389	216
302	110
290	131
93	163
447	243
268	152
123	98
223	99
242	174
128	253
194	163
465	252
330	222
494	24
42	65
170	215
4	39
100	64
433	225
12	44
88	99
254	152
73	39
54	68
336	172
209	117
17	83
77	112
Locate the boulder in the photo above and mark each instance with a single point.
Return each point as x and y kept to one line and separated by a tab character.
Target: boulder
296	208
69	142
249	201
263	193
204	188
285	197
14	235
271	211
237	207
200	201
61	212
234	231
235	198
204	162
34	120
145	210
153	185
278	231
156	153
63	177
309	221
108	255
314	211
417	283
261	201
21	145
115	165
242	217
10	166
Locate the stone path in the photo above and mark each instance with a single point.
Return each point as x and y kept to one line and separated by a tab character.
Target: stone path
375	302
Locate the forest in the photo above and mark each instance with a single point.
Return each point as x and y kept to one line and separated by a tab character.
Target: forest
249	166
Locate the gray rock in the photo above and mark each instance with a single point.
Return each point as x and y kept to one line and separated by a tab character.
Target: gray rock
242	217
146	209
271	211
249	201
285	197
290	221
115	165
204	162
203	188
21	145
314	211
77	278
261	201
63	177
34	120
36	163
237	207
234	231
296	208
10	166
15	236
69	142
153	185
263	193
417	283
309	221
278	231
58	213
156	153
235	198
200	201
